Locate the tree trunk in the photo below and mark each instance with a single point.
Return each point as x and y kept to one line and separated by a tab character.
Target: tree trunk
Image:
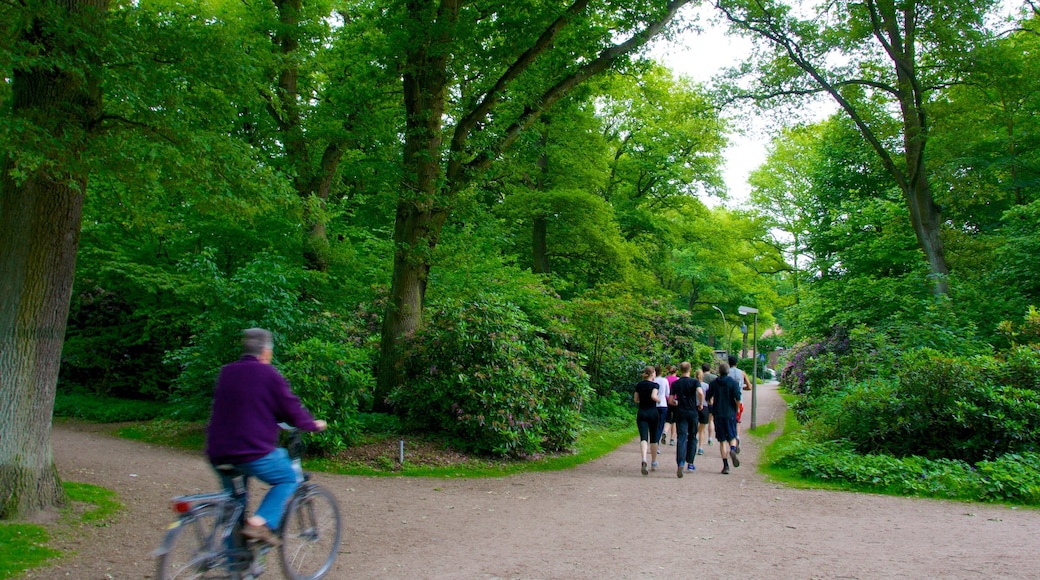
39	233
40	218
415	236
427	187
421	211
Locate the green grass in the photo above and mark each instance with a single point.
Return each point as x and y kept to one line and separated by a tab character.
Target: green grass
763	430
25	546
102	409
102	502
180	434
22	547
791	477
591	444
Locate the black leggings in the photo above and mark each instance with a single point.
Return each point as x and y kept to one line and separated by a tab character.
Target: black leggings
647	420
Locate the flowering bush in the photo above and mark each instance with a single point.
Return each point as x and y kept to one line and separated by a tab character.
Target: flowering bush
483	374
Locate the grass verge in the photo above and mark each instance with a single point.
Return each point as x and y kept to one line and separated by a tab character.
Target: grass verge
26	546
591	444
23	547
437	460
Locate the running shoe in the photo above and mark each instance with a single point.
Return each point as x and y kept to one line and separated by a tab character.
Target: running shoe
644	469
678	472
653	466
733	455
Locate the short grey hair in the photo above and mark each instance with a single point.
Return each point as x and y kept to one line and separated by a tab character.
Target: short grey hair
255	340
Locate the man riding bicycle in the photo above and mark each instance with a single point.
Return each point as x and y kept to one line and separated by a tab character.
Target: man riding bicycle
250	399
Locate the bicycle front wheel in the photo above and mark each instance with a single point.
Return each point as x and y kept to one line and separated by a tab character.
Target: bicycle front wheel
188	552
311	534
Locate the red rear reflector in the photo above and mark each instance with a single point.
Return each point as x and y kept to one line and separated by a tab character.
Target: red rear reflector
181	507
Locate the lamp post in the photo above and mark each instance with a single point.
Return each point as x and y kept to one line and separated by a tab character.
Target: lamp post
725	328
754	375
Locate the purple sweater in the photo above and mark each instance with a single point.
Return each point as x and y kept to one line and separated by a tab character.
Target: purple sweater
250	400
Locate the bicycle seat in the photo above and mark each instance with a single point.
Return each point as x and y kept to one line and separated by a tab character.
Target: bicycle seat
228	470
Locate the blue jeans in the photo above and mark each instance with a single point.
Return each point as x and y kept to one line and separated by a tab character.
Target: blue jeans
276	470
686	438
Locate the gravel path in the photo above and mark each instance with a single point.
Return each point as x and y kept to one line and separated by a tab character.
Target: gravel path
599	520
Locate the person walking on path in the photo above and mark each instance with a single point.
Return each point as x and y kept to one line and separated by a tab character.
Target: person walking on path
647	417
250	399
669	432
703	415
724	396
662	408
686	397
738	375
707	379
742	381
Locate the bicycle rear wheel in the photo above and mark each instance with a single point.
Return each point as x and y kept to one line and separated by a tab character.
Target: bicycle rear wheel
188	552
311	533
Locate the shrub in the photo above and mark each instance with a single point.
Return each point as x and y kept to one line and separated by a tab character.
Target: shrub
494	382
618	335
936	406
613	409
332	380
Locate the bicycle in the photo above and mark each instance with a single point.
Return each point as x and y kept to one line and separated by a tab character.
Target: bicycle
205	540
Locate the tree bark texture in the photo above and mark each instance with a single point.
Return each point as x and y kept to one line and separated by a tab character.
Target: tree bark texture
421	209
40	218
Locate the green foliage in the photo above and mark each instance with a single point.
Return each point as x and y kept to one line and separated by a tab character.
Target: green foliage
906	402
332	380
1011	478
266	292
483	374
619	334
102	409
611	409
22	547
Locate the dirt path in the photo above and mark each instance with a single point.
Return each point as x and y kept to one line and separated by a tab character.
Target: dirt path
599	520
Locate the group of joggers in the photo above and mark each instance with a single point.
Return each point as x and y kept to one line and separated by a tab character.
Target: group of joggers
681	410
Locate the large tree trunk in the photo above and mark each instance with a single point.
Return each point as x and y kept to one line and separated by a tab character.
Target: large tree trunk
40	215
421	211
427	186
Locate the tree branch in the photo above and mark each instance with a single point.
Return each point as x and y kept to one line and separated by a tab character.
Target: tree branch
532	112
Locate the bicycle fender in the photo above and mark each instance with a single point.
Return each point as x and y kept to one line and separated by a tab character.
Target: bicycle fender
168	539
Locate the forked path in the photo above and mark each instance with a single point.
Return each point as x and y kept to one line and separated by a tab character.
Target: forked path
599	520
